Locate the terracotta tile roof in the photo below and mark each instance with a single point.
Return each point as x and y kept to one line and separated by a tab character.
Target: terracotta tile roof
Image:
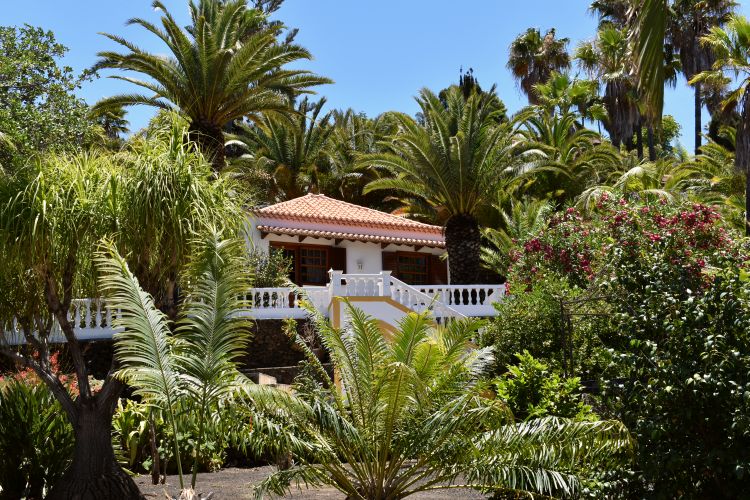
313	233
318	208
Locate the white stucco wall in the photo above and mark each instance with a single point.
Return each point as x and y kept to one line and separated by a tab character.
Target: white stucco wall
369	254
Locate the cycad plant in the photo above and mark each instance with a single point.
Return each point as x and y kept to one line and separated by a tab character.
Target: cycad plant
228	64
407	413
194	367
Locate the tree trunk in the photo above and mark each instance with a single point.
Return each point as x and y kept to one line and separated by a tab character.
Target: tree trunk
210	140
639	140
94	473
651	146
742	153
698	117
462	241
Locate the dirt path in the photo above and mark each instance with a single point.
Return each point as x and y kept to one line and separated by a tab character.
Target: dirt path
232	483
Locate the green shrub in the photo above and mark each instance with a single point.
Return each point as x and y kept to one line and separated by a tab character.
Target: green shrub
270	270
131	437
532	390
36	440
531	320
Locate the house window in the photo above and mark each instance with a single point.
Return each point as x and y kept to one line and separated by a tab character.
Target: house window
412	268
313	263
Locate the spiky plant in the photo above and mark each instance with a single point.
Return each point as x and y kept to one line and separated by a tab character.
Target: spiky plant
289	151
453	163
562	157
523	218
406	413
731	46
194	368
228	64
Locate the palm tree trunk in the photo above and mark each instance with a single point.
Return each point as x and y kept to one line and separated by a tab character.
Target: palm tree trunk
94	472
742	153
639	140
698	124
463	241
210	140
651	146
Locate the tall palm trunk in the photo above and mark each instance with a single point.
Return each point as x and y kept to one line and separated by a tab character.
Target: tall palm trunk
651	145
742	153
639	140
210	140
94	472
463	242
698	117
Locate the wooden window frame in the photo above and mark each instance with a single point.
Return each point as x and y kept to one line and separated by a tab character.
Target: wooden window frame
426	273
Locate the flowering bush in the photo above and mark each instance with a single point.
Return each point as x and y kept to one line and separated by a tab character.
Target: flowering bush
582	247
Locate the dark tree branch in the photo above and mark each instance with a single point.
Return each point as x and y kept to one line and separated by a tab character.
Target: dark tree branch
60	311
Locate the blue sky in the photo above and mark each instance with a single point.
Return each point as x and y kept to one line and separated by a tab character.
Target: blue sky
378	53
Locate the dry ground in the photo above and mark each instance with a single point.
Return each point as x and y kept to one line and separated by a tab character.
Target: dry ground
233	483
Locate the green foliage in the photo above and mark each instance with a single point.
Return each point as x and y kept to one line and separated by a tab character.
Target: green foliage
270	269
228	64
39	111
531	320
532	390
36	440
195	367
407	414
226	429
682	350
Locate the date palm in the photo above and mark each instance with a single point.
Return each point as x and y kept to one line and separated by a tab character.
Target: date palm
690	21
409	415
452	165
290	151
533	58
562	157
731	47
228	64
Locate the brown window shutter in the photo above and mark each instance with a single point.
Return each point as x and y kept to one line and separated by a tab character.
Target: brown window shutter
390	262
337	259
438	271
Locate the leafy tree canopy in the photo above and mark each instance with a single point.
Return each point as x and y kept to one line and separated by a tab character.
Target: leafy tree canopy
39	110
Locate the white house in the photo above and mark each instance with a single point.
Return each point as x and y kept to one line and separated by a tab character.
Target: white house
382	263
320	233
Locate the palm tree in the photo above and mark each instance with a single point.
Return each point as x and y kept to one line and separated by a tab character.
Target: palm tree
290	150
228	64
562	158
690	21
520	220
607	59
194	369
453	164
561	94
731	47
355	135
408	415
533	58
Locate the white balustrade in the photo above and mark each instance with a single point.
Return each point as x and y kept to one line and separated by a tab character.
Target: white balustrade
93	320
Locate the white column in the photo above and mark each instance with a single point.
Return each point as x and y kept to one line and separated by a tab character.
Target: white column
385	280
335	285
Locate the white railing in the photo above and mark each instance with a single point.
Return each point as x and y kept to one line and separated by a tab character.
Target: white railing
93	320
470	300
